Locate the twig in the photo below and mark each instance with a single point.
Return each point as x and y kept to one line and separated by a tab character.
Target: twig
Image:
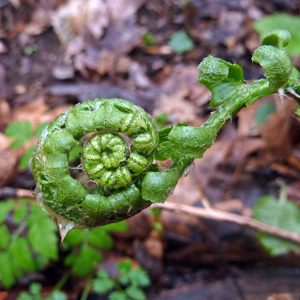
8	192
214	214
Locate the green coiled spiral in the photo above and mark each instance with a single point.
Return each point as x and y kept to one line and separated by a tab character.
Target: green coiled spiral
117	157
120	142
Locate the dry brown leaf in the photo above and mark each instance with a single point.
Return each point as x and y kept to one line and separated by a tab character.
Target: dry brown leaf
120	10
37	112
4	114
32	111
177	107
154	244
76	17
8	160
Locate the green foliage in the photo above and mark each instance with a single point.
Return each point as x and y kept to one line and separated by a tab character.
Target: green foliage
103	283
132	279
35	242
263	112
298	112
148	39
24	162
85	261
157	225
30	246
283	22
276	63
85	246
181	42
222	78
42	233
74	154
135	293
5	208
30	49
20	131
277	38
116	227
35	294
161	119
118	296
279	213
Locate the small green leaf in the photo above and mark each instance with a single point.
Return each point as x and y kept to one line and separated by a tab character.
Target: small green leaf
24	162
164	149
30	49
100	238
155	212
263	112
40	129
5	208
277	38
6	271
139	277
222	78
4	237
20	131
148	39
118	296
161	119
86	261
298	112
103	283
42	233
124	266
74	237
25	296
19	249
158	226
295	74
282	214
19	213
283	22
276	63
57	295
35	288
116	227
135	293
123	278
181	42
74	154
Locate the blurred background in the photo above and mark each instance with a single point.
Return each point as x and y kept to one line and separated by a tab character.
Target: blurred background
54	54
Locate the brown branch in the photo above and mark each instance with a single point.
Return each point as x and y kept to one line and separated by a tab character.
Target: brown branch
214	214
8	192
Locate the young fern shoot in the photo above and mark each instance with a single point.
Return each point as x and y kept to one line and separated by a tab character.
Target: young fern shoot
127	179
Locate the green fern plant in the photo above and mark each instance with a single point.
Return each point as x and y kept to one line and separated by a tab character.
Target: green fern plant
126	177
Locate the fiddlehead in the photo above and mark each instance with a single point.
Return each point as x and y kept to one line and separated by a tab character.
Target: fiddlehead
128	181
109	159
